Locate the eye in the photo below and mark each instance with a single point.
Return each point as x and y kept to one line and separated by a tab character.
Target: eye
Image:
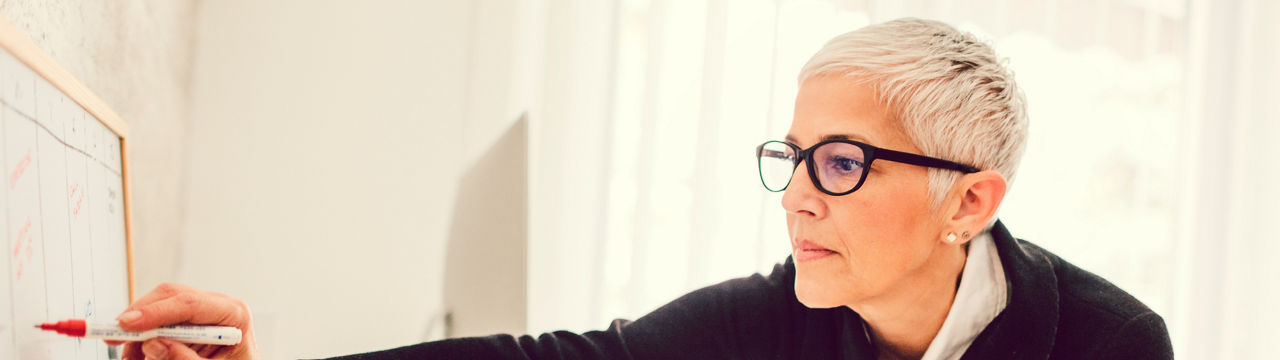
845	165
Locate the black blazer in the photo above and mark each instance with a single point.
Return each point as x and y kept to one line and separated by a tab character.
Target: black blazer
1055	310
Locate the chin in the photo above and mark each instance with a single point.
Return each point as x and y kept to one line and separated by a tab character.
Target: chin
814	294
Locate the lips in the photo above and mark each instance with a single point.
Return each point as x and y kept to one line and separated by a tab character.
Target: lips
805	250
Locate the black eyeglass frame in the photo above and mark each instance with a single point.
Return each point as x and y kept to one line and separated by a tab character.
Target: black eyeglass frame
871	152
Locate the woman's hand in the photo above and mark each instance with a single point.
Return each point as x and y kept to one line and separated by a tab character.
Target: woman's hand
173	304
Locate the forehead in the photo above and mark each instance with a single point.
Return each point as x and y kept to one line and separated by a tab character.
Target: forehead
837	105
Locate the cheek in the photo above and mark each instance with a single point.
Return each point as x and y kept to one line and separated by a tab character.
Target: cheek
884	234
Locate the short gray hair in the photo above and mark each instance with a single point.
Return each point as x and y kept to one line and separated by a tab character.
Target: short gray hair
948	91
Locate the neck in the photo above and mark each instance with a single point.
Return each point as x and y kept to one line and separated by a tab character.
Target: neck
904	321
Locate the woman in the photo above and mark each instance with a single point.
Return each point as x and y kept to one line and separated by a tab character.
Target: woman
904	140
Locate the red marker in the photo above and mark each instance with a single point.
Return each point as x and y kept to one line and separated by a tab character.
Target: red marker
216	335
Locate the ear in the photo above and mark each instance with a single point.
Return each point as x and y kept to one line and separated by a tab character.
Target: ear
972	203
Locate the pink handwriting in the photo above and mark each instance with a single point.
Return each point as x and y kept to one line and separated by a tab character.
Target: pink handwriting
22	250
19	169
77	194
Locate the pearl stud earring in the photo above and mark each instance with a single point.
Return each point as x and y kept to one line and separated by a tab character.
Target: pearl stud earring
951	237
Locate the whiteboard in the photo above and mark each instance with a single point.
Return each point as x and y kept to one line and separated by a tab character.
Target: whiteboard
62	206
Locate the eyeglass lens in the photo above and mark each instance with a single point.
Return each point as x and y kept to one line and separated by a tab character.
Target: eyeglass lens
839	166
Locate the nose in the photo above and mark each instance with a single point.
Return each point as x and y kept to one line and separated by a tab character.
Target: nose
802	198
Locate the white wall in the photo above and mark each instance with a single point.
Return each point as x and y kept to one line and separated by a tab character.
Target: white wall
283	152
316	189
326	145
136	56
568	150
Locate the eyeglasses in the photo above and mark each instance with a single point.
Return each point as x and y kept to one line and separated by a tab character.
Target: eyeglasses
836	167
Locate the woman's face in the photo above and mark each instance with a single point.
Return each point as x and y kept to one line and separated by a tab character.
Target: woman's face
879	237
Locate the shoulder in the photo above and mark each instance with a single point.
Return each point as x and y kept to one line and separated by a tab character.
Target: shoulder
757	290
1097	319
753	317
1085	294
740	302
752	301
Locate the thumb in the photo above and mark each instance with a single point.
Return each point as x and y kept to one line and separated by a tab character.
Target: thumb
165	349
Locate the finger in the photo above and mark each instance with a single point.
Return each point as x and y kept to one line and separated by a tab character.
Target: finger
162	291
203	349
154	349
221	352
132	351
178	351
207	351
188	307
199	348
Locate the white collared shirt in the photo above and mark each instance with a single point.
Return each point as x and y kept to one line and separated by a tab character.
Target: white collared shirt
983	293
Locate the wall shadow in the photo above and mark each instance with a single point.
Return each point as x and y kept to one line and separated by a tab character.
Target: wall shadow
485	261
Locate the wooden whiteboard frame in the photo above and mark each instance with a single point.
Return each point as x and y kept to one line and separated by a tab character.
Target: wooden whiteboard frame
27	52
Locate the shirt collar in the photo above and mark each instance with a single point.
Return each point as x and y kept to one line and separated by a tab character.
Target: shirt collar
983	293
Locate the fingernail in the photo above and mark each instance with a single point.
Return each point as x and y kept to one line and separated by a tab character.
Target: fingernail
129	316
155	350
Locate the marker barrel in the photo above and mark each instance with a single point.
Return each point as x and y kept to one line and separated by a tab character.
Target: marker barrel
214	335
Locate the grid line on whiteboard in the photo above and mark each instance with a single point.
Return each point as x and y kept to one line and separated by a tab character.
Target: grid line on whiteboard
44	261
4	130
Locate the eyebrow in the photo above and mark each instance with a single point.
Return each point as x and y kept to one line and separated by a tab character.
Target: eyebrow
828	137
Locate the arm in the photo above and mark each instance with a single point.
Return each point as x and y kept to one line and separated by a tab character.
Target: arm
749	317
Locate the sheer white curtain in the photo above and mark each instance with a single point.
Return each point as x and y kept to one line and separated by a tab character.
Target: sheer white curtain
1151	160
1228	285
